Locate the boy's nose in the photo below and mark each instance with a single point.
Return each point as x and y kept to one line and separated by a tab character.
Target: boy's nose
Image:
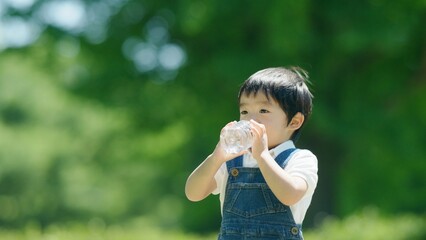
248	117
253	117
256	120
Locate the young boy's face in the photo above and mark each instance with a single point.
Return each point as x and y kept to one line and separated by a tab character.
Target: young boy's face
267	112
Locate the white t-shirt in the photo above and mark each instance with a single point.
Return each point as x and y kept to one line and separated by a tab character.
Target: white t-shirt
302	163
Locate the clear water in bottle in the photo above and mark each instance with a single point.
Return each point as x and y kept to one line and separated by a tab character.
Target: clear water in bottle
237	137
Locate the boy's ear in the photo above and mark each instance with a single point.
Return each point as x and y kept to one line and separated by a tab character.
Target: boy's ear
297	121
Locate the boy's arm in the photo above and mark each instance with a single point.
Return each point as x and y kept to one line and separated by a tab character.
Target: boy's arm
288	189
201	182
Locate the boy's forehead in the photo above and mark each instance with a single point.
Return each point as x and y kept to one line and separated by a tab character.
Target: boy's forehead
254	95
258	98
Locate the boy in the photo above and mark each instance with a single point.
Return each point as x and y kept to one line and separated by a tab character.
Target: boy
264	191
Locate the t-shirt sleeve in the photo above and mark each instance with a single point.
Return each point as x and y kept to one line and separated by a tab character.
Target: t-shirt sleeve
219	177
304	164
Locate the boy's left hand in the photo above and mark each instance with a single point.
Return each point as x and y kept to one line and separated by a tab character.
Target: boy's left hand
260	139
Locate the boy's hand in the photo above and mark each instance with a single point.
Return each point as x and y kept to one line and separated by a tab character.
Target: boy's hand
260	139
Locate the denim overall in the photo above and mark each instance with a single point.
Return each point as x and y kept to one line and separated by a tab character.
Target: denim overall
251	210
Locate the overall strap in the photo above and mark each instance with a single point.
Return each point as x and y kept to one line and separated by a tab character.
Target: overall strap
236	162
283	158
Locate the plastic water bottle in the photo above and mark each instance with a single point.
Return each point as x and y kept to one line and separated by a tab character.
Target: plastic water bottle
237	137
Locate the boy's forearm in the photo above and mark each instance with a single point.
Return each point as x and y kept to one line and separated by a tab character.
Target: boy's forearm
201	182
288	189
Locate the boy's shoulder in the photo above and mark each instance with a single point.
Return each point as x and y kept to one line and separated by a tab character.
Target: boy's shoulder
303	155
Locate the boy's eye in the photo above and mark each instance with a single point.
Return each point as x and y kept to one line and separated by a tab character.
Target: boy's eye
263	111
243	112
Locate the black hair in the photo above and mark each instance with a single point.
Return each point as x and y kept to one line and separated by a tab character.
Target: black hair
288	86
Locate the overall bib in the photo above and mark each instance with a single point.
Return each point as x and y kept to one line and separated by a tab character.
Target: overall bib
251	210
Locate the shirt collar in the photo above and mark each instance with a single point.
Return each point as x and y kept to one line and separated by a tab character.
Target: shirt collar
281	148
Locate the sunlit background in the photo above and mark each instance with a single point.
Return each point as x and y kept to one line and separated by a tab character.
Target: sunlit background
107	106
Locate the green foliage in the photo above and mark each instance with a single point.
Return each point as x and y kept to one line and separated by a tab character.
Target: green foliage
63	157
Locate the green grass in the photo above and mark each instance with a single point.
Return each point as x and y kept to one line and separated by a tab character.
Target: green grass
370	225
96	229
366	225
116	232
